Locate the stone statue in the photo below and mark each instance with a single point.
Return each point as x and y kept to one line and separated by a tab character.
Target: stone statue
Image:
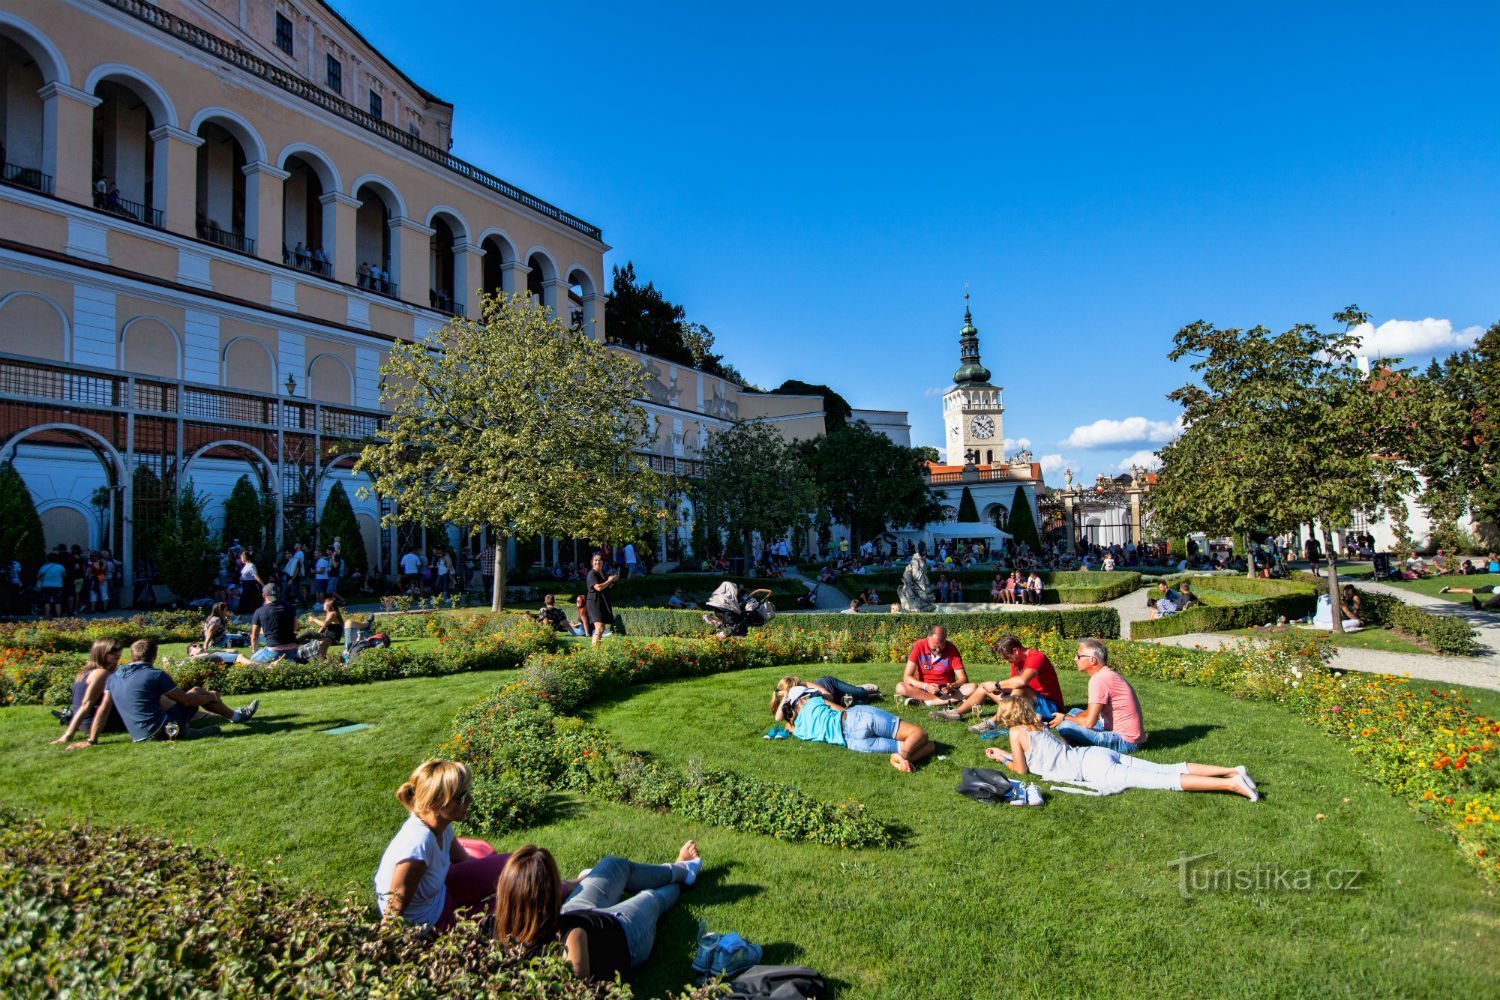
915	592
1068	478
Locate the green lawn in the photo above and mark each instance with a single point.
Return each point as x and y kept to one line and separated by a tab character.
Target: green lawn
1072	899
1368	638
1431	585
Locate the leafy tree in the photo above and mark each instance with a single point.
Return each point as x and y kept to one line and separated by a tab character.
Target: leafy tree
518	424
338	521
968	511
641	314
930	454
1454	441
1283	430
865	480
186	554
245	516
1022	526
20	525
836	409
751	480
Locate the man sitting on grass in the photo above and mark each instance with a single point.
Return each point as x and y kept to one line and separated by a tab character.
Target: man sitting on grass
275	622
153	707
550	614
1113	717
1029	669
935	673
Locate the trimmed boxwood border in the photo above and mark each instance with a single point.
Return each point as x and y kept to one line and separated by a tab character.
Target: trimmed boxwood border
1072	622
1278	597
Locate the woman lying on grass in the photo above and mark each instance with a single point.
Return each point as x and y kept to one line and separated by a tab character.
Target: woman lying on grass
603	932
813	713
1035	749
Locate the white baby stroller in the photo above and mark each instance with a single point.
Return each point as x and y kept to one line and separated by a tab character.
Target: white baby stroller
733	612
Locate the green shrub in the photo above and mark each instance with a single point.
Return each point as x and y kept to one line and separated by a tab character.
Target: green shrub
1274	599
78	634
96	912
1074	622
1447	634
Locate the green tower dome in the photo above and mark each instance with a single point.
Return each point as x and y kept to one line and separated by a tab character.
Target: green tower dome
970	370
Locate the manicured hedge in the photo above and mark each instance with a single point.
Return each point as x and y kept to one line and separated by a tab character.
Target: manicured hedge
1290	598
657	588
90	911
78	634
1448	634
1058	587
1073	623
522	742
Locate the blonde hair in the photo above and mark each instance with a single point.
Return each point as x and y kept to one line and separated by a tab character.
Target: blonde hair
782	687
1018	710
433	785
98	653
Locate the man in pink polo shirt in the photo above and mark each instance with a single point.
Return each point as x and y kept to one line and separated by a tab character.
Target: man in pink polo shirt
1113	717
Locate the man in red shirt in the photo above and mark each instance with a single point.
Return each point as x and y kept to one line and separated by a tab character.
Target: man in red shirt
1029	668
934	672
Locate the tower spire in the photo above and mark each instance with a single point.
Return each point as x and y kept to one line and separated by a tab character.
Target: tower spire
971	371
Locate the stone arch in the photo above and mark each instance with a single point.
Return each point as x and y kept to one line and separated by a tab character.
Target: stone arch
444	282
454	220
997	514
330	370
108	455
22	319
499	250
581	291
382	187
548	266
67	522
157	102
259	462
150	353
240	348
321	163
541	277
243	132
49	58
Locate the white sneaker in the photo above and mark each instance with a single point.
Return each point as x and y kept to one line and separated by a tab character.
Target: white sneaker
1244	782
1033	794
1246	775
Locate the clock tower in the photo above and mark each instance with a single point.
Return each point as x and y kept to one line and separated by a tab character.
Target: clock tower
972	408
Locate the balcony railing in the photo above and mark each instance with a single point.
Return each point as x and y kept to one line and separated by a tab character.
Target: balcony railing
669	466
976	476
208	42
305	261
443	304
132	210
379	286
224	238
30	177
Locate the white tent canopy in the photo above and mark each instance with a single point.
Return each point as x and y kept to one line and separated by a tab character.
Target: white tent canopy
964	529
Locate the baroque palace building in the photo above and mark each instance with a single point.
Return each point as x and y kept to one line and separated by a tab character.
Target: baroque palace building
216	216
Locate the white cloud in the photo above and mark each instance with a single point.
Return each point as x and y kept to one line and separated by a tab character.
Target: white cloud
1401	338
1055	464
934	391
1012	445
1114	433
1145	458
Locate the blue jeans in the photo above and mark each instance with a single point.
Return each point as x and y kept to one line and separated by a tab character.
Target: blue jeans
869	730
1106	738
655	888
839	689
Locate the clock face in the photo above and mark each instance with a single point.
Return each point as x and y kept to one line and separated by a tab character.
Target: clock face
982	427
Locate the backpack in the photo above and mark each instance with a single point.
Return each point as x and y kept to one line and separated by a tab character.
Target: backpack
377	641
778	982
983	784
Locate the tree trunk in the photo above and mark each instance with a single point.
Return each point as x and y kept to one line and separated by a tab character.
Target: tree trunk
497	594
1335	603
1249	558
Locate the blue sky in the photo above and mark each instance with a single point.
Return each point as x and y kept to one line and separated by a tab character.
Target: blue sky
817	183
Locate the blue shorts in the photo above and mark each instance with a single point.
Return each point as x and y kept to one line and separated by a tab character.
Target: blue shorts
266	654
869	730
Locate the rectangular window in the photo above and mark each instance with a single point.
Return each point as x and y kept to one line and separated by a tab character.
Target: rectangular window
283	34
374	104
335	75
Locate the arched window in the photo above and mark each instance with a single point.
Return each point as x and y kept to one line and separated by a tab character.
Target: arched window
247	365
330	381
22	125
124	153
221	188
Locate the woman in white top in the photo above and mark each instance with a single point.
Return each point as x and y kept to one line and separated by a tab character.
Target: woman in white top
427	877
250	584
1035	749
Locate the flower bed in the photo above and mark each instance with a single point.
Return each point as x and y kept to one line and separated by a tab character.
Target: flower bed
521	741
1419	741
93	911
78	634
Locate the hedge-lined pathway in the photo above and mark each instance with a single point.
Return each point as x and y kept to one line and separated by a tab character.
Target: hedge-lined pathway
1481	670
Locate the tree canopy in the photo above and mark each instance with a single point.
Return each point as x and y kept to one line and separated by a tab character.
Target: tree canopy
512	421
338	521
866	481
750	480
968	510
1021	525
641	314
836	409
1280	430
20	525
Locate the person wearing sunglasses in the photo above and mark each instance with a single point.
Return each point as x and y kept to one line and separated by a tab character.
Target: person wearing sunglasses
1113	717
426	876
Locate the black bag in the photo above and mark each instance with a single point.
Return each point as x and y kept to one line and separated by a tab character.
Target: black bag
777	982
985	785
377	641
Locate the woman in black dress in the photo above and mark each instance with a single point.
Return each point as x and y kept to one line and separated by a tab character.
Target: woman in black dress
596	588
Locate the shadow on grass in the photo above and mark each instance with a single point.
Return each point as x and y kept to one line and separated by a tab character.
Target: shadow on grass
713	885
1166	739
266	727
